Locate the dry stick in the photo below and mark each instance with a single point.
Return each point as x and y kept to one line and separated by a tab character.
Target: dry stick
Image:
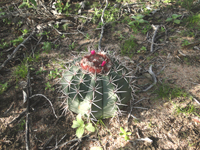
48	141
47	100
16	49
74	140
102	28
154	79
154	34
28	111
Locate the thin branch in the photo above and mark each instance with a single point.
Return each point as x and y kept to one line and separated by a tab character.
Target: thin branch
47	100
28	111
154	79
16	49
102	28
47	142
74	140
156	27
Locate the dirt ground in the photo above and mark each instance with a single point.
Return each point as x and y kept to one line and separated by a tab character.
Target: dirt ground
167	117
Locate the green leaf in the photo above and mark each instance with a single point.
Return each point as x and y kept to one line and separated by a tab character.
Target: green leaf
174	16
126	138
169	19
140	16
34	2
75	124
141	20
79	119
128	133
79	132
121	133
89	127
177	21
122	130
23	5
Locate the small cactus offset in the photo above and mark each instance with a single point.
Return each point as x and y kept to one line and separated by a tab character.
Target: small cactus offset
96	85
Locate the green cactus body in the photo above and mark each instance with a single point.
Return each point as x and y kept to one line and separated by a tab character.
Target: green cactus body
98	92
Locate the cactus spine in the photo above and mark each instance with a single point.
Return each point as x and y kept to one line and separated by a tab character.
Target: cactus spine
96	85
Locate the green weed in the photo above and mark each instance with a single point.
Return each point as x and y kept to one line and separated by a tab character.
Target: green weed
129	47
3	87
190	109
166	91
79	124
54	74
124	133
48	86
137	20
17	40
185	43
21	71
46	46
174	19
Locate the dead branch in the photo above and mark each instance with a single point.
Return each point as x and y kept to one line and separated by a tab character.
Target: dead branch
47	142
156	27
74	140
9	109
16	49
27	112
154	79
47	100
102	28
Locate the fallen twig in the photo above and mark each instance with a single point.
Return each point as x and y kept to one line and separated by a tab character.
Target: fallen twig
9	109
16	49
102	28
154	79
156	27
196	100
74	140
47	142
47	100
28	111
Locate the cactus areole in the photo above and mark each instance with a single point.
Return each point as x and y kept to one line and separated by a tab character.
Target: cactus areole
96	85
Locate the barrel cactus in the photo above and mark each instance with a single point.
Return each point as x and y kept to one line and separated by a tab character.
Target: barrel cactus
96	85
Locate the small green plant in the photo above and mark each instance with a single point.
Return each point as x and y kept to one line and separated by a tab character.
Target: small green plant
46	46
79	124
61	8
21	126
174	19
4	45
138	20
26	3
125	134
54	73
142	49
189	109
24	32
146	28
87	36
129	46
41	71
72	46
3	87
166	91
21	71
48	86
17	40
185	43
65	26
56	25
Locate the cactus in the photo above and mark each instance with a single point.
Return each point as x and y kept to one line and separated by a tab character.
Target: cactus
96	85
